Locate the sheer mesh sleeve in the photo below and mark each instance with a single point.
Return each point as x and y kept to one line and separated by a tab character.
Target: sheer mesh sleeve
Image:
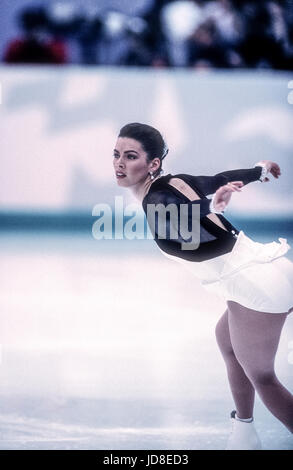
210	184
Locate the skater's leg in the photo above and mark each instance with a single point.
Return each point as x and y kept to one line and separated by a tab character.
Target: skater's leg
242	390
255	338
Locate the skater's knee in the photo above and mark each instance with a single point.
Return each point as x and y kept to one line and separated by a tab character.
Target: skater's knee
261	377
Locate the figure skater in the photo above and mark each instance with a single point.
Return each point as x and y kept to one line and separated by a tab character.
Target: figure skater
255	279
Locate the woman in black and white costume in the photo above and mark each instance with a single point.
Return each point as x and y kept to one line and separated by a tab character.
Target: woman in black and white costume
255	279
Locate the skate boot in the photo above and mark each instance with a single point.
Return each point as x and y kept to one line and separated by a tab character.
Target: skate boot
243	435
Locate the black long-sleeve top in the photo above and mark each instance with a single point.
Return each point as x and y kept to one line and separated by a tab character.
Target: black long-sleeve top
214	240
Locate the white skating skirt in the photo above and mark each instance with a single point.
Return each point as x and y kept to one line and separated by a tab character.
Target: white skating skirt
255	275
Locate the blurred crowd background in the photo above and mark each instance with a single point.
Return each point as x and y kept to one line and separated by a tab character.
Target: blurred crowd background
153	33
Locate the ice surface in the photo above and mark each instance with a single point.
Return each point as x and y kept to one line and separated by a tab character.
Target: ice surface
112	346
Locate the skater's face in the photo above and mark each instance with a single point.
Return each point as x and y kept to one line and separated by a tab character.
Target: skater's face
130	162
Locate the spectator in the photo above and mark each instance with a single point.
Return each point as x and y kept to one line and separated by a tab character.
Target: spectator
35	46
262	45
114	42
123	41
228	23
179	19
154	38
281	32
139	53
89	37
205	47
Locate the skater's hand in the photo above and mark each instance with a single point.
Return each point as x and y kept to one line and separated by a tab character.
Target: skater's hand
223	194
272	168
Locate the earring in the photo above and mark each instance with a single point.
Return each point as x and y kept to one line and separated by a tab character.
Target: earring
152	176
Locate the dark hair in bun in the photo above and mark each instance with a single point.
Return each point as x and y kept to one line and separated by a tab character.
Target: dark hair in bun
150	139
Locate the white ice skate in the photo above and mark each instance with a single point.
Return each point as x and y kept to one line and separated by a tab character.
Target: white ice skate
243	435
